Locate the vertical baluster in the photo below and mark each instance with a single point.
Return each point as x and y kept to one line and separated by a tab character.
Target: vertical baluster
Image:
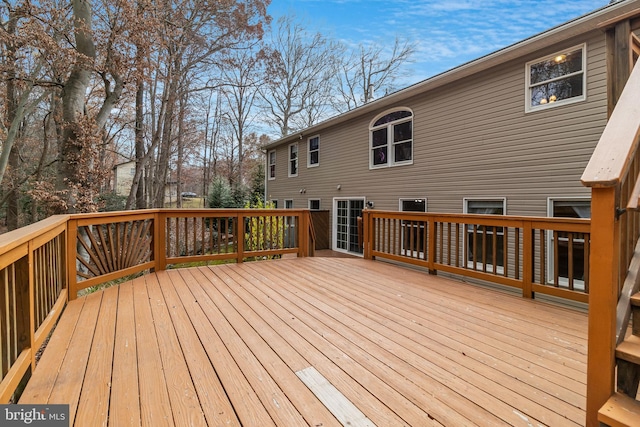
556	259
585	256
459	239
13	354
543	257
505	252
570	255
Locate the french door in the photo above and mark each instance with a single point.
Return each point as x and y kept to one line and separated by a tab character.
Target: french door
345	216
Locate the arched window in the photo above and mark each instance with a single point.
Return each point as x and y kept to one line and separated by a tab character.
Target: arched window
391	139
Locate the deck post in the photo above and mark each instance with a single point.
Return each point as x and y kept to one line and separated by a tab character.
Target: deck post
433	240
72	241
239	233
23	286
303	235
528	249
603	298
160	241
366	233
32	307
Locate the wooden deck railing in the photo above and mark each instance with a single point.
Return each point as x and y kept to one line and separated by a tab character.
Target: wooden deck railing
33	293
613	174
114	245
44	265
543	255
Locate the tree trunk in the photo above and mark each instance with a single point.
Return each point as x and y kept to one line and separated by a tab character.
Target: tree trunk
12	107
73	102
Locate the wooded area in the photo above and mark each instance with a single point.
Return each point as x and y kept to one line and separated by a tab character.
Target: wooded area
187	90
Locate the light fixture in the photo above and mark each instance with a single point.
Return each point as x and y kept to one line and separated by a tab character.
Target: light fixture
560	58
552	98
543	101
338	187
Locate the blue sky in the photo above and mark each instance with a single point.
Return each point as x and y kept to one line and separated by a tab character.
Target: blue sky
447	33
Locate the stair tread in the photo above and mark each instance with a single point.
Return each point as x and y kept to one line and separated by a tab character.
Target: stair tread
635	299
629	349
620	411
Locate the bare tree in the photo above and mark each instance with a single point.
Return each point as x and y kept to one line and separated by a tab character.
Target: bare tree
240	76
192	36
369	70
297	76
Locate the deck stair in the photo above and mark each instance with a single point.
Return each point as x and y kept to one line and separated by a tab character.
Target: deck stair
623	409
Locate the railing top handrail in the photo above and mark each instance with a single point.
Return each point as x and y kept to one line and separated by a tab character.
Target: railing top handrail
480	217
183	211
612	156
15	238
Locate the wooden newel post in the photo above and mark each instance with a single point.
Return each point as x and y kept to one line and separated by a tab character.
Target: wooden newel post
160	241
239	236
603	298
72	241
366	233
303	235
529	254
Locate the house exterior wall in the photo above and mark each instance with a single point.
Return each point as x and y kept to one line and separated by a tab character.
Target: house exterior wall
124	178
471	139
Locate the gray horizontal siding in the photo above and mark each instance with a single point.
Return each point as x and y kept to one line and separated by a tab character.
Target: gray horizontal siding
472	138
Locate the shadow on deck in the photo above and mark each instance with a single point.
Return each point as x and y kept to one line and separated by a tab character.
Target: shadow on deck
313	341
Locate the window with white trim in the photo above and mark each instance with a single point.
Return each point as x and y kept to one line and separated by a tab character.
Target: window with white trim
483	242
272	164
569	247
556	79
293	159
391	139
288	204
314	204
313	157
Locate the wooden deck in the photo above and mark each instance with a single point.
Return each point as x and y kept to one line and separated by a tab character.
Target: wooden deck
313	341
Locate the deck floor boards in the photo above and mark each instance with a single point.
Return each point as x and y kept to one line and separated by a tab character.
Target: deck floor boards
229	344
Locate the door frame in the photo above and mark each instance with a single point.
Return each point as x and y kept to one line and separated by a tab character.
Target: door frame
334	219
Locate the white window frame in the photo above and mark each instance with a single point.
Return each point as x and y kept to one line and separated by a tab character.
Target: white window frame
271	176
563	281
291	162
465	206
390	143
288	203
528	85
309	151
414	254
311	200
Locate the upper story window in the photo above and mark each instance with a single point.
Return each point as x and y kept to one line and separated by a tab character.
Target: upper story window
313	158
293	159
272	164
557	79
391	139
